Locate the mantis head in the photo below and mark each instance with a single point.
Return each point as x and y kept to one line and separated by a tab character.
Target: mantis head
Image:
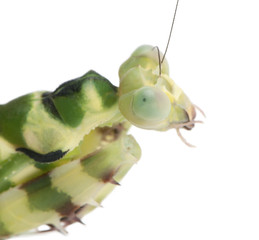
149	98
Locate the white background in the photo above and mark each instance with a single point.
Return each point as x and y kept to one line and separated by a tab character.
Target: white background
174	192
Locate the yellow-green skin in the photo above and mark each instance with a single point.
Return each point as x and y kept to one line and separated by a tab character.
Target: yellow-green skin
63	152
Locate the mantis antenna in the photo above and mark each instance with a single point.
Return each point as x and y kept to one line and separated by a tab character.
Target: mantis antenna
171	30
169	38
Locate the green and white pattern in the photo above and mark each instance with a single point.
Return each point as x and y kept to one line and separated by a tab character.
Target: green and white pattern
63	152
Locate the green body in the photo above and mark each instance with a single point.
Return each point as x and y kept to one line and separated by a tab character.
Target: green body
62	152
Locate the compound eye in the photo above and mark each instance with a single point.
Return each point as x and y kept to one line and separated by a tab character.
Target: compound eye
151	104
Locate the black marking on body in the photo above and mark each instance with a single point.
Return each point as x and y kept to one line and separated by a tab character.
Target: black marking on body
75	85
49	105
43	158
68	88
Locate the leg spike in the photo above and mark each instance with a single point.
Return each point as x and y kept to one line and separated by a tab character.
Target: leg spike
71	219
58	227
113	181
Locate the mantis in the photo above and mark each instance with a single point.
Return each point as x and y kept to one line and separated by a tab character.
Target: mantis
63	152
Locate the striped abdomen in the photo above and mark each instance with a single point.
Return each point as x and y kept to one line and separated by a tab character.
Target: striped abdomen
63	195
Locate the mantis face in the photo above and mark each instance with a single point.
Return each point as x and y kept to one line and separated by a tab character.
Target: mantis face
149	98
